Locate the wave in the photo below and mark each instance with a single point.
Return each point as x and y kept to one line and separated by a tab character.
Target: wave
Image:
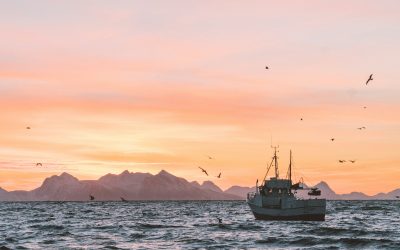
147	225
48	227
192	225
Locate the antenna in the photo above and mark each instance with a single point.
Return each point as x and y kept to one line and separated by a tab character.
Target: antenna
275	160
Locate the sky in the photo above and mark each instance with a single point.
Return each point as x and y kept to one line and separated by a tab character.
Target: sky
107	86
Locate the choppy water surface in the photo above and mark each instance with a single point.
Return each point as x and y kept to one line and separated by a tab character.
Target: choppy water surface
193	224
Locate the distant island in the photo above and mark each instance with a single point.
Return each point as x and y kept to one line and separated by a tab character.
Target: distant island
145	186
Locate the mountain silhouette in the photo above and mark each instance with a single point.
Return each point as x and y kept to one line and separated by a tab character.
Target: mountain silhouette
162	186
211	186
240	191
131	186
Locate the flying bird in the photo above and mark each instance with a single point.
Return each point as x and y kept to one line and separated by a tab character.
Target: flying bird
122	199
91	197
365	107
369	79
352	161
203	170
332	139
301	119
39	164
219	176
28	127
342	161
397	196
360	128
209	157
266	67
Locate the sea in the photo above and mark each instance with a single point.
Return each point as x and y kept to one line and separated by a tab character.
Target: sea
193	225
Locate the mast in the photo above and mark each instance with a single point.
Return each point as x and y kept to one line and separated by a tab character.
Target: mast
275	159
274	162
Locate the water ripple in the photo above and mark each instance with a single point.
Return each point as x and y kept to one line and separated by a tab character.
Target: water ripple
192	225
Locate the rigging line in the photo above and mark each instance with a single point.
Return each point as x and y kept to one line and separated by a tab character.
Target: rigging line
290	166
287	174
270	165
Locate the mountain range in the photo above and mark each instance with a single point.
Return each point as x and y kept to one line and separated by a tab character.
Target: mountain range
145	186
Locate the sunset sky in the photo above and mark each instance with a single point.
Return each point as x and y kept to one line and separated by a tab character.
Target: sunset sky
149	85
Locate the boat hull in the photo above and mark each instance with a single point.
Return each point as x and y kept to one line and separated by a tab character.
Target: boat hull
304	210
301	217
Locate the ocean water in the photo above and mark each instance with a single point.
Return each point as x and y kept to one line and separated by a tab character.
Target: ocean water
193	225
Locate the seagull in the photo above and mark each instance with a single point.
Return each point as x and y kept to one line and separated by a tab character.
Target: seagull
332	139
369	79
39	164
203	170
91	197
361	128
342	161
352	161
219	176
219	220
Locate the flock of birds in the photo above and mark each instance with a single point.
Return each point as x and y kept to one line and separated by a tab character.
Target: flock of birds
218	176
370	78
360	128
205	171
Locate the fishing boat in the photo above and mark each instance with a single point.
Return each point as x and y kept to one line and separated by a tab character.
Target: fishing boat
275	199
